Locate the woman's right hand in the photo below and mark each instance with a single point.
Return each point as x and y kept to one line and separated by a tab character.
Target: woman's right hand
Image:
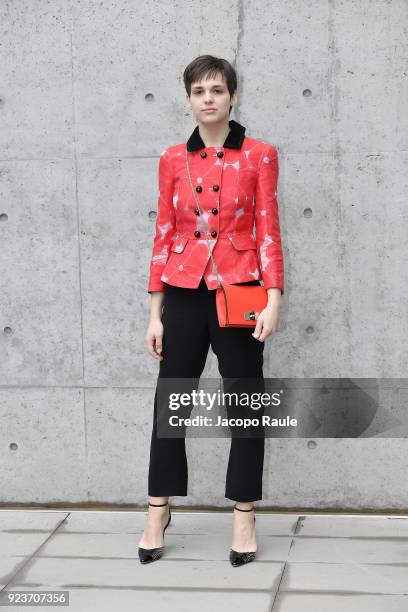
154	338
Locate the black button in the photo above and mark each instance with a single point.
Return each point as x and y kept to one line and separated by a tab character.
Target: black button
199	188
213	233
196	211
215	211
216	187
196	233
220	153
203	154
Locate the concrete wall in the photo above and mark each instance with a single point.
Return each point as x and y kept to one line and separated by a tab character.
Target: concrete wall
91	93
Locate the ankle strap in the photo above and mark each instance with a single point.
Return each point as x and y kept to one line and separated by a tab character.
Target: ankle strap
150	504
242	510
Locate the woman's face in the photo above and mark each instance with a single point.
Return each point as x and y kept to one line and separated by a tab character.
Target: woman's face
210	93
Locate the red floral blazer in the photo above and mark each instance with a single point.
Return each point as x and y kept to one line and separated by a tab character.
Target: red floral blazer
236	187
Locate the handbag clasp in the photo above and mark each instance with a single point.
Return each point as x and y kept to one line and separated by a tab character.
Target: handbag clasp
250	315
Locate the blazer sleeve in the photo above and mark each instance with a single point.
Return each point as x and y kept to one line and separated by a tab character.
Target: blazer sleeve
267	227
165	223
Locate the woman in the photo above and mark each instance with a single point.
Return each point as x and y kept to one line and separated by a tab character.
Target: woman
235	177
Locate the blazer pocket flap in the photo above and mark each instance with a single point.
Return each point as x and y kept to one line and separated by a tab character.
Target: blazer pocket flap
178	244
242	242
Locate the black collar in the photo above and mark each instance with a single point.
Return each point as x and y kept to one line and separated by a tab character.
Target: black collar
234	139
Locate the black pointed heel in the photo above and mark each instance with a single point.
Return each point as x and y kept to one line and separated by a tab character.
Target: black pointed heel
147	555
241	558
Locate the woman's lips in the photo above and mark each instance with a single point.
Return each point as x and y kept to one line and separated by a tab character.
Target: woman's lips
209	110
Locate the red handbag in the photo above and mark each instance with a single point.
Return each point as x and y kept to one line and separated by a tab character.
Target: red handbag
237	305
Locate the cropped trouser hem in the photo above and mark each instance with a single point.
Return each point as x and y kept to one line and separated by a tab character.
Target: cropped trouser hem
183	493
170	493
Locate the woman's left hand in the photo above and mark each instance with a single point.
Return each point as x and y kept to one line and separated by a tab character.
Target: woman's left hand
268	318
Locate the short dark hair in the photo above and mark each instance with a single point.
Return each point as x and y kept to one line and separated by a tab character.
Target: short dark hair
209	66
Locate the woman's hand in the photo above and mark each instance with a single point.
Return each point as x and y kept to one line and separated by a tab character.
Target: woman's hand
154	338
268	318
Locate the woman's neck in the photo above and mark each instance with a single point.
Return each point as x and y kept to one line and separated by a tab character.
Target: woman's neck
214	135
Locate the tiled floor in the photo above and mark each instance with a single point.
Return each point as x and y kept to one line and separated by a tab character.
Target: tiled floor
317	562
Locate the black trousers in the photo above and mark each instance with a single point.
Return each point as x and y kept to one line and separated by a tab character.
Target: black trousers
190	326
